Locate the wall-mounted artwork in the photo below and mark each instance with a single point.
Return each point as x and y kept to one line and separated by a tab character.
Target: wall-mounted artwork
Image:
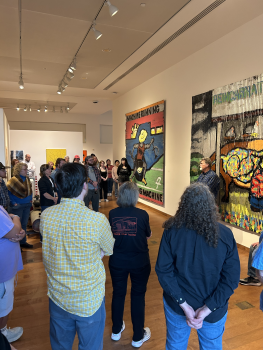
17	155
85	153
145	147
227	126
53	154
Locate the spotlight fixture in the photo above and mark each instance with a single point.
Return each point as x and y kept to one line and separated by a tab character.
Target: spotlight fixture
70	75
38	109
112	9
65	83
61	110
17	108
21	83
59	92
97	33
73	65
66	110
25	109
45	110
30	109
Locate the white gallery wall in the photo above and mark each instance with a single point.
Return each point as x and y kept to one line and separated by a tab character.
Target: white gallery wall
36	142
233	57
92	124
4	139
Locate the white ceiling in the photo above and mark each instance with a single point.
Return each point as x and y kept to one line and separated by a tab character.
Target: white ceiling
53	30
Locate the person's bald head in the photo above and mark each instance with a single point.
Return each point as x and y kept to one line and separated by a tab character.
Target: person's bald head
28	157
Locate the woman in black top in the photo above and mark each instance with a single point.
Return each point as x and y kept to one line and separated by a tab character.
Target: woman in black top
104	178
131	230
47	189
124	171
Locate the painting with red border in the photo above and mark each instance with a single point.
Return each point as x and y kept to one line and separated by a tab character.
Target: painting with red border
145	148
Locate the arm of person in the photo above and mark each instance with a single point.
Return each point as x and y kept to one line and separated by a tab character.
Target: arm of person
15	226
107	175
229	279
147	223
165	270
106	238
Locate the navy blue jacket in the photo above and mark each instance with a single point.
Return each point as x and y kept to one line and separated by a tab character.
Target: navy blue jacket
190	270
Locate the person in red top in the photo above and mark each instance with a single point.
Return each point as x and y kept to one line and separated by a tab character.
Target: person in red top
109	180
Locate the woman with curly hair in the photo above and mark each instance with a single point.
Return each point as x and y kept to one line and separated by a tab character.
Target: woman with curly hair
20	194
198	268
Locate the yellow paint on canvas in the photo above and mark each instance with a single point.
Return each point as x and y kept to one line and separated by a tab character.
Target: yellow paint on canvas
53	154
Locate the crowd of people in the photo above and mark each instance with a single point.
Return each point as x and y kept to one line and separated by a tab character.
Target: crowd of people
197	266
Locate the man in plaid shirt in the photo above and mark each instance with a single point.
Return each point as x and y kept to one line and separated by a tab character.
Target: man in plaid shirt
4	198
75	239
94	180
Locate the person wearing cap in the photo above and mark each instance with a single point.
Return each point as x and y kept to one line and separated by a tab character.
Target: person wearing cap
76	159
94	180
4	198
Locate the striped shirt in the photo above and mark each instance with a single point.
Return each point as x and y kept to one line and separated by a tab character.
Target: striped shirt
72	238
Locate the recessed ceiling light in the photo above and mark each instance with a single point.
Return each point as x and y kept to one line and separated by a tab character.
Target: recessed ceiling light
143	4
106	50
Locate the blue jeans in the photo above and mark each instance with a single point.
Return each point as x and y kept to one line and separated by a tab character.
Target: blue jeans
110	183
64	325
23	211
178	332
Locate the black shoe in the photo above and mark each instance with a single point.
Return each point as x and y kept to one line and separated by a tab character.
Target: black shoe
250	281
26	245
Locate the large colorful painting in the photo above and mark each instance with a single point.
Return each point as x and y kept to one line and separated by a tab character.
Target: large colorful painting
145	150
227	126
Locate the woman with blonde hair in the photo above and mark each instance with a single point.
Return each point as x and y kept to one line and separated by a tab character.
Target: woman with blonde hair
20	194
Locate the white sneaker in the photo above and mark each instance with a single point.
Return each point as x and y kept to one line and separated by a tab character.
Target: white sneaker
100	201
106	200
147	336
12	334
117	337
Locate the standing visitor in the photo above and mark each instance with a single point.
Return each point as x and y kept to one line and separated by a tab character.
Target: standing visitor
94	180
75	240
30	167
110	180
209	177
10	263
67	159
131	230
258	265
104	183
4	197
20	194
115	177
76	159
198	268
124	171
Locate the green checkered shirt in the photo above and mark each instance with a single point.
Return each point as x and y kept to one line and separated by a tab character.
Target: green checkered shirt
72	238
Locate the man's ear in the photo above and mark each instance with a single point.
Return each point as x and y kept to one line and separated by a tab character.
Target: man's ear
85	186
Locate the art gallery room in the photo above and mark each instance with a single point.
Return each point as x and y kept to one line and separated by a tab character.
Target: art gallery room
173	90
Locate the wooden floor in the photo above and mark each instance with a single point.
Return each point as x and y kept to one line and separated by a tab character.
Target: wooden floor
244	328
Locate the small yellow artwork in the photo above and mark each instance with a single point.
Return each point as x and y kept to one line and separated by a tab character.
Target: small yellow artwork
53	154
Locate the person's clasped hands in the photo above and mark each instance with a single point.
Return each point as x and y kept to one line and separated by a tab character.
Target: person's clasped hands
195	318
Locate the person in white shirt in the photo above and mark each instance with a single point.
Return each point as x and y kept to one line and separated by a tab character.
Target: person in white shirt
30	166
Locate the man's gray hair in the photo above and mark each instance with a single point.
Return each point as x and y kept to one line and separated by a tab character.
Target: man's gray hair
128	195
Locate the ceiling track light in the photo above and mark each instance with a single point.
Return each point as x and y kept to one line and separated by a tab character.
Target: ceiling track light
38	109
30	109
67	108
59	92
97	33
17	108
21	82
64	83
25	109
73	66
45	110
112	9
61	110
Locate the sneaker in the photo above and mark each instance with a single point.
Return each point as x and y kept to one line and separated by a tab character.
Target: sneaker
147	336
100	201
250	281
117	337
106	200
12	334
